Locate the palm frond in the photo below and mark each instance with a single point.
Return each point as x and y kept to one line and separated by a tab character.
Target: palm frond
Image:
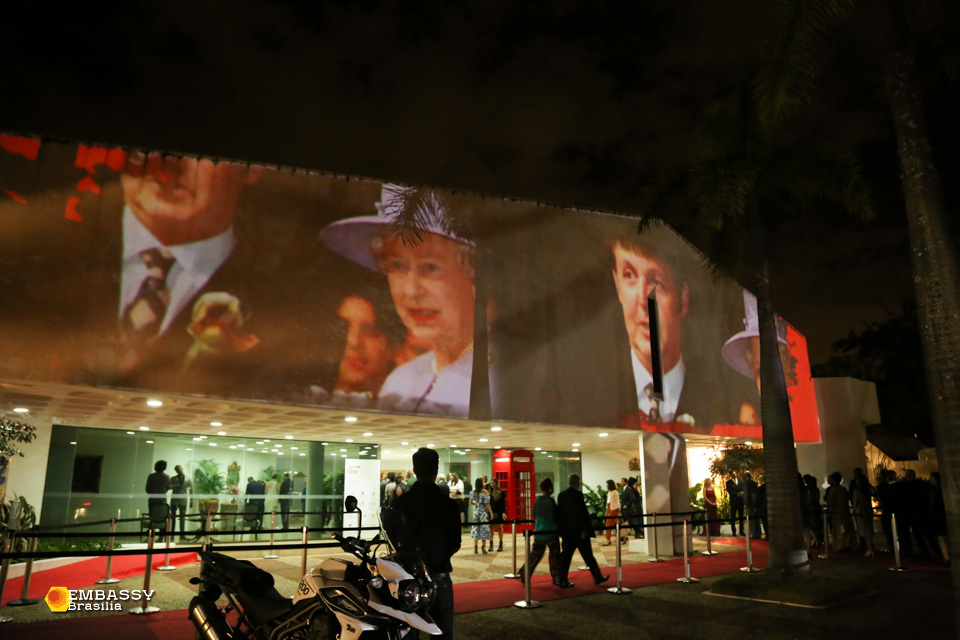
787	77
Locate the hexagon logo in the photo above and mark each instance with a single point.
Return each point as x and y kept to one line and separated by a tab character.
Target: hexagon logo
58	599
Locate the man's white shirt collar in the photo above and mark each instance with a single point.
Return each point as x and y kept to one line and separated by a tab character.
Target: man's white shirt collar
196	263
672	386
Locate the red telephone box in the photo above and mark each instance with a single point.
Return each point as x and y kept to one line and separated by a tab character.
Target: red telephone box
514	470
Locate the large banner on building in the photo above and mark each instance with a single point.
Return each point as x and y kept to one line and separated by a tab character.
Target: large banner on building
151	271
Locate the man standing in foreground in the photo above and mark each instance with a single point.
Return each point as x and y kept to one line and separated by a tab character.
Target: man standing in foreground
576	530
434	520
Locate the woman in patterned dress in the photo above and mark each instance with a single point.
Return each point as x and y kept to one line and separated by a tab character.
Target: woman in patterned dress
480	498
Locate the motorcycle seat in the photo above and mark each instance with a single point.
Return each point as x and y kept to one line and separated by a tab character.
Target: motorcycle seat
264	606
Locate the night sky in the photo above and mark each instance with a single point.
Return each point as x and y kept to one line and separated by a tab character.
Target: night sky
571	103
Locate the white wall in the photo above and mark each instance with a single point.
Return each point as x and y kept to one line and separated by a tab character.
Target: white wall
600	466
28	474
846	406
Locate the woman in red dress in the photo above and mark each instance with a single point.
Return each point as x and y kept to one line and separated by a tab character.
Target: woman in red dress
710	503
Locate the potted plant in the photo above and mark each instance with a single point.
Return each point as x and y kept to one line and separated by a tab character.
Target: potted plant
208	481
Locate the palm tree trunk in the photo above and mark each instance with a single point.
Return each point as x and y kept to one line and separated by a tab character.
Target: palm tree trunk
788	550
935	278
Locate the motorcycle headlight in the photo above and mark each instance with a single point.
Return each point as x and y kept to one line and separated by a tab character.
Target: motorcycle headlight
410	594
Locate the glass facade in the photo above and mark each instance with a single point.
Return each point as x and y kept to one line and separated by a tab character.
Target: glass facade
98	474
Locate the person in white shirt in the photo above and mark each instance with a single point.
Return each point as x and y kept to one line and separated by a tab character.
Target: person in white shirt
432	283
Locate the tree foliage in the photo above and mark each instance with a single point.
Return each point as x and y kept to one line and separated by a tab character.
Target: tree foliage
13	432
738	459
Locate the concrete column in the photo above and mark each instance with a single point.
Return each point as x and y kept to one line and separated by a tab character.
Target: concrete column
663	476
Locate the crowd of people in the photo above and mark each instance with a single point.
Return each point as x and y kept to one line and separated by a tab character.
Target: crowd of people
915	505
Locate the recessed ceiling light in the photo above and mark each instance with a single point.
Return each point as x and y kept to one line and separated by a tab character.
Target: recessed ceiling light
368	434
404	443
323	443
144	428
538	449
495	428
576	450
21	410
294	448
603	435
221	433
342	450
130	432
483	440
453	445
149	441
188	449
431	445
203	437
303	454
212	444
154	403
498	447
216	424
73	443
288	437
349	419
349	439
576	444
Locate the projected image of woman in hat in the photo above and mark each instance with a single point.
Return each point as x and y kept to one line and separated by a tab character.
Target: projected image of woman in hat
432	283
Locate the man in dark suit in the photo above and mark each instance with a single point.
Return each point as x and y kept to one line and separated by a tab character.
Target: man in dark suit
735	492
576	532
751	502
676	389
285	488
256	488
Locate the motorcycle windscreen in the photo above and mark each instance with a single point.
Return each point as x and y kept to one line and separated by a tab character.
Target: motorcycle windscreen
401	539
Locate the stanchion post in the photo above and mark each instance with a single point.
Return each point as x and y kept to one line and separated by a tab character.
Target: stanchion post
25	598
206	527
656	545
749	568
144	608
166	559
273	525
619	589
110	542
303	557
826	539
709	551
526	603
896	546
13	518
686	556
513	575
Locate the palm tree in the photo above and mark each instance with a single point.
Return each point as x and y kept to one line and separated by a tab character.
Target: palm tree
750	179
895	32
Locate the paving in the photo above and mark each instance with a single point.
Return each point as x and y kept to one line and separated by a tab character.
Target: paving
915	603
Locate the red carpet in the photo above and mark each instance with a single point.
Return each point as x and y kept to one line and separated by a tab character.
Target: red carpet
86	572
492	594
472	596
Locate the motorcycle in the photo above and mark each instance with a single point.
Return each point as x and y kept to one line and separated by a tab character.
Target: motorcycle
386	597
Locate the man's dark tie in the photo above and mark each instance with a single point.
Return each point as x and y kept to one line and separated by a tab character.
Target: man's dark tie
143	316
